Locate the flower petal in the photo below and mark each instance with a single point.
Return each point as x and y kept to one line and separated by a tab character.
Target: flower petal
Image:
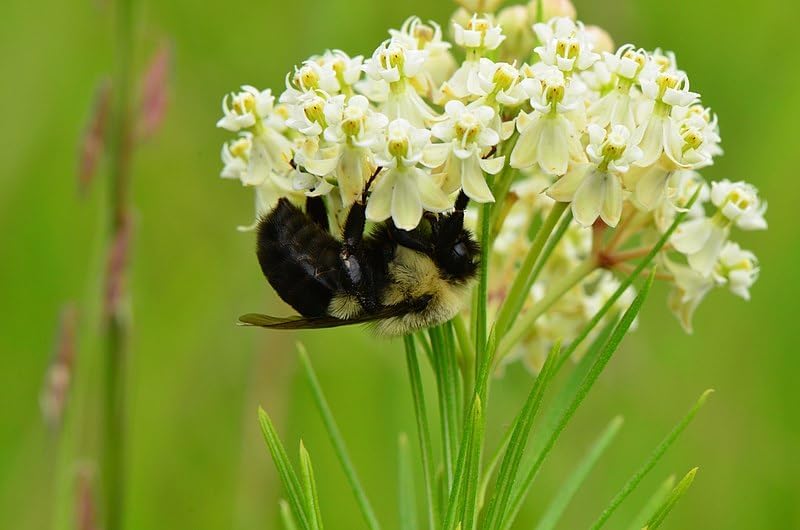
554	145
689	237
473	181
589	198
493	166
379	203
611	210
406	205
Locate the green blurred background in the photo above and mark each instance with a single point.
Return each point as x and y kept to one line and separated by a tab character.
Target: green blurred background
195	454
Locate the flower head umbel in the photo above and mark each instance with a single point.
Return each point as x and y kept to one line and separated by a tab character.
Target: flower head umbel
542	115
403	190
467	134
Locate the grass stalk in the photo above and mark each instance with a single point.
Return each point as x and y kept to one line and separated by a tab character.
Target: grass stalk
115	326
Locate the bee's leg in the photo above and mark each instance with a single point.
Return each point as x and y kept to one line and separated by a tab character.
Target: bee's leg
408	238
356	220
316	210
449	227
359	279
461	202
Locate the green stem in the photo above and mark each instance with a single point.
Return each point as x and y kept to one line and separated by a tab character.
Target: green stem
423	431
467	356
115	332
483	282
447	407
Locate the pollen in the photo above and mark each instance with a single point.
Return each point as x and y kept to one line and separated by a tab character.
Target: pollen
240	147
244	104
307	78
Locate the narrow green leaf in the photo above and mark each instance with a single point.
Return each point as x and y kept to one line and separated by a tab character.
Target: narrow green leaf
453	356
309	489
470	502
620	330
560	403
406	499
567	491
456	499
338	442
673	498
652	503
286	516
481	294
447	418
509	469
426	346
467	357
284	467
423	431
650	463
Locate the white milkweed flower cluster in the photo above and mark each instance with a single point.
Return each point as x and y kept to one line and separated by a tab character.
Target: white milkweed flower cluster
617	135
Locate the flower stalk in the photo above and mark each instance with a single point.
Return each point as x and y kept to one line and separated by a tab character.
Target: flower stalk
116	325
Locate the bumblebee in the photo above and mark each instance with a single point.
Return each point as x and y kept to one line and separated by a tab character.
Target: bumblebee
397	281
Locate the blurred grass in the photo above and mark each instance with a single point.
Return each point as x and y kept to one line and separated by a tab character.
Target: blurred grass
196	456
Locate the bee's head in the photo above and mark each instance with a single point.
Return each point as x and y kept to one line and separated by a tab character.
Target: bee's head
455	251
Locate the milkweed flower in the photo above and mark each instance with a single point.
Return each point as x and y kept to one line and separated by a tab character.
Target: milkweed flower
565	45
357	130
547	136
595	188
404	189
264	149
617	107
702	239
467	134
392	68
246	108
439	63
479	36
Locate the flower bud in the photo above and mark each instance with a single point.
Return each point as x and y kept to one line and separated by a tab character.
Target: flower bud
600	39
518	29
550	9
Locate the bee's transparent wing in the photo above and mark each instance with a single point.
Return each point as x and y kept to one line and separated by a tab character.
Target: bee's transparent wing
299	322
293	322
